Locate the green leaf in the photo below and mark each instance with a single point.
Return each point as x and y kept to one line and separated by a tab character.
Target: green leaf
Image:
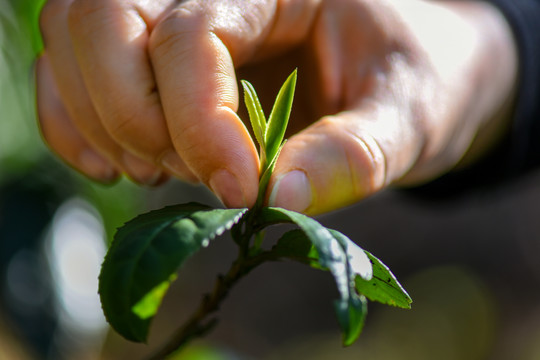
383	287
144	257
268	216
295	245
149	304
279	117
256	116
331	249
351	317
359	261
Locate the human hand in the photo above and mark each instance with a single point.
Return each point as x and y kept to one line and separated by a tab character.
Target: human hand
388	91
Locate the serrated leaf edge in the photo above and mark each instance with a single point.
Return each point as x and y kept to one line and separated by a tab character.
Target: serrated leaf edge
165	225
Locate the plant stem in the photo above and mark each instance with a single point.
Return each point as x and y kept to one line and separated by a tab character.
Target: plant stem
198	325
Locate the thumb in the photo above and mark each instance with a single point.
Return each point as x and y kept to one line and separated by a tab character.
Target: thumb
340	160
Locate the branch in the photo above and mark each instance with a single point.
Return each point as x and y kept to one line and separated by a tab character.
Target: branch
198	325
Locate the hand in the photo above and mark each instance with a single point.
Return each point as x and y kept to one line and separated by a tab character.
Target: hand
389	91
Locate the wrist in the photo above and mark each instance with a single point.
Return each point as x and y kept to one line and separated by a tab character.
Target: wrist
496	68
471	59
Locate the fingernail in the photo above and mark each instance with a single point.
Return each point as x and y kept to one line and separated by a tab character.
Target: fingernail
174	164
141	171
97	167
292	191
226	186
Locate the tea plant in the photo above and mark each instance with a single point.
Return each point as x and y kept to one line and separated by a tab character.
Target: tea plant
148	251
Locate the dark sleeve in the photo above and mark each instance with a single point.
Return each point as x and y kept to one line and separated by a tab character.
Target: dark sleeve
519	152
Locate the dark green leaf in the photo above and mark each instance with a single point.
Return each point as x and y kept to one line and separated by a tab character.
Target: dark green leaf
332	253
351	317
146	254
296	245
269	216
256	116
279	117
383	287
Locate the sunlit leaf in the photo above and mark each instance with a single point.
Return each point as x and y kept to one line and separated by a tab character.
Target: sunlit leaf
279	117
256	116
383	287
147	307
146	254
332	255
359	261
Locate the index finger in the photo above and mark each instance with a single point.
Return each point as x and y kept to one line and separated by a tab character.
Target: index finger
199	94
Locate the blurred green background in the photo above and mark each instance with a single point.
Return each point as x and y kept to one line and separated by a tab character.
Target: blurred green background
37	190
470	263
20	41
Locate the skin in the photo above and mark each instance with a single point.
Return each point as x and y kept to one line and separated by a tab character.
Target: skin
389	92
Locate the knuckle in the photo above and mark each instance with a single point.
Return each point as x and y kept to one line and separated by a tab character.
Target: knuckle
364	155
121	125
131	130
177	25
368	163
372	164
81	11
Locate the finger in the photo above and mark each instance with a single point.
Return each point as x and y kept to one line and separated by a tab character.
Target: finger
342	159
61	135
193	51
198	90
72	90
110	41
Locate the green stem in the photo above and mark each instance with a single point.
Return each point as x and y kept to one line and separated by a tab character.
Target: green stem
257	243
